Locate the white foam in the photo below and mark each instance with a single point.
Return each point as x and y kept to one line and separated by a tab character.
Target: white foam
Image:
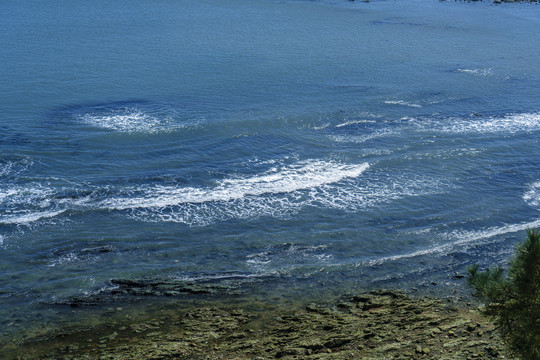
404	256
509	124
402	103
27	218
5	168
134	120
532	195
64	259
460	238
444	154
472	236
25	205
280	192
274	253
7	194
296	177
221	276
127	120
10	168
354	122
33	194
359	139
321	127
349	194
481	72
288	257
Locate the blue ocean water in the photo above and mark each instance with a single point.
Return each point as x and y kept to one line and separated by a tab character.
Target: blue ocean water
389	143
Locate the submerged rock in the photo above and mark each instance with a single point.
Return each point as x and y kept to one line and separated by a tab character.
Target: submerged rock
232	285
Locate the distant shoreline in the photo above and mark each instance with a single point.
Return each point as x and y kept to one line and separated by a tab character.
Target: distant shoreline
374	325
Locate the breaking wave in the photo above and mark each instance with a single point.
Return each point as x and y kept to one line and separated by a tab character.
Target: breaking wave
532	195
460	238
280	192
235	200
26	205
481	72
286	180
29	217
13	167
274	189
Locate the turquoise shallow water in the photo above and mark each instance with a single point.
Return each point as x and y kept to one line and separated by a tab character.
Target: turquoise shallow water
389	143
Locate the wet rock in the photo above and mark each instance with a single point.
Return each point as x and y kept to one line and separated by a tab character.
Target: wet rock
361	298
318	309
337	342
311	344
345	305
289	351
393	326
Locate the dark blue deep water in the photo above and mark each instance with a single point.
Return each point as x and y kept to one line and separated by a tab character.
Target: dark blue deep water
389	143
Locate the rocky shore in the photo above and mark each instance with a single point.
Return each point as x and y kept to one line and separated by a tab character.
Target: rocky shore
383	324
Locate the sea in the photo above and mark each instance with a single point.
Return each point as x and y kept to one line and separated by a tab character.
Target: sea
274	147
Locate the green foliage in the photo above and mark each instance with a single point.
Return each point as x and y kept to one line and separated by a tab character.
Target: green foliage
514	301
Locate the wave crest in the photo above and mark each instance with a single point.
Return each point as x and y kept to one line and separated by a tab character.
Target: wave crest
532	195
293	178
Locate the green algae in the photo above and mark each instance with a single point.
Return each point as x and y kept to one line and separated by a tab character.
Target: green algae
376	325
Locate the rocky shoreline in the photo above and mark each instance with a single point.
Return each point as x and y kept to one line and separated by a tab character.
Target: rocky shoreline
382	324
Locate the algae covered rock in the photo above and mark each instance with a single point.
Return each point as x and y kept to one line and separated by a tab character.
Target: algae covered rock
391	326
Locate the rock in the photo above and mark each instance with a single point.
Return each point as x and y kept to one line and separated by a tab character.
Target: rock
312	344
360	298
337	342
289	351
237	312
368	334
344	305
394	325
314	308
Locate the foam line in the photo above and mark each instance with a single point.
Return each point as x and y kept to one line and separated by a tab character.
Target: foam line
402	103
532	195
301	176
514	123
463	239
28	218
482	72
